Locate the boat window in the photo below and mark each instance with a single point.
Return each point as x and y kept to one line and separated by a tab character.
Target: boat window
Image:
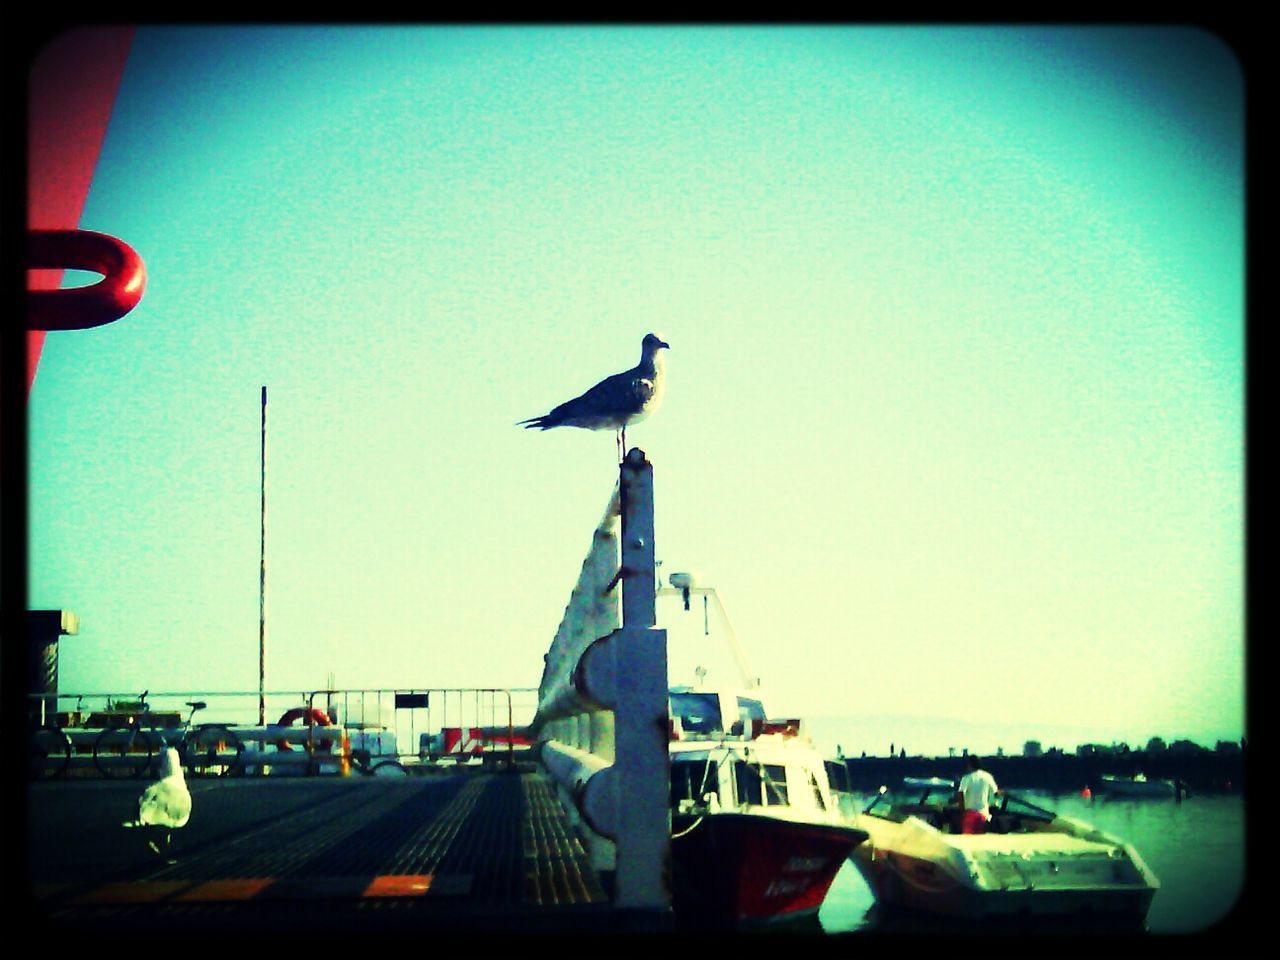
690	780
746	781
749	710
838	776
698	712
759	783
817	792
775	780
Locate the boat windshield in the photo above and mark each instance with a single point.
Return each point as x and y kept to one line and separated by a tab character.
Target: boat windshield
931	798
698	712
1016	806
913	796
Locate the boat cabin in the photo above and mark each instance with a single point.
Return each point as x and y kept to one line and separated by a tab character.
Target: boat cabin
727	754
712	713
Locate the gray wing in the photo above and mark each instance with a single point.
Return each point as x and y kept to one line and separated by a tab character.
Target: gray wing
609	403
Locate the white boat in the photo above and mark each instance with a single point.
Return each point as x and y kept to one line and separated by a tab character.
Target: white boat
1032	865
757	836
1138	786
756	832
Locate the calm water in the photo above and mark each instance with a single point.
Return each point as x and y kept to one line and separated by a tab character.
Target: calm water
1196	848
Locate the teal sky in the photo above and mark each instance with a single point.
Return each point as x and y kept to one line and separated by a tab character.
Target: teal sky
955	411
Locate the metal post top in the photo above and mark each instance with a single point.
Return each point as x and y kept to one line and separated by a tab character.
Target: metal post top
635	458
42	624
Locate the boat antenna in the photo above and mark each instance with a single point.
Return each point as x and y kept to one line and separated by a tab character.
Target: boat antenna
684	584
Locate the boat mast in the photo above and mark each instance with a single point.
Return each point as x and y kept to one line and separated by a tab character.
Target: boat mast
685	584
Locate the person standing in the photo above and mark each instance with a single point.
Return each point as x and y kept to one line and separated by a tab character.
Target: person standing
976	790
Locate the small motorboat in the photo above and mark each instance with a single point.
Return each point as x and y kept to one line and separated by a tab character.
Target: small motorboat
1031	864
1139	786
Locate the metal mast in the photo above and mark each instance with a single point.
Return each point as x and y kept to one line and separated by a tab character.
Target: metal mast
262	573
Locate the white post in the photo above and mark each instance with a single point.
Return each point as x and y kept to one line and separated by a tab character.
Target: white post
608	682
640	705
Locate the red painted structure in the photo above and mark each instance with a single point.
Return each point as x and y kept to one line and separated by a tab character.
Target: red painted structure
475	740
73	86
79	308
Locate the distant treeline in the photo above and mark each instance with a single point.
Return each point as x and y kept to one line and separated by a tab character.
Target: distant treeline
1210	771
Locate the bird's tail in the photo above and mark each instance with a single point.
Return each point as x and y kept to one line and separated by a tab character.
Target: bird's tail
543	422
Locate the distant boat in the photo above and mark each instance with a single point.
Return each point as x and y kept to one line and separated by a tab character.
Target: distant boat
1139	786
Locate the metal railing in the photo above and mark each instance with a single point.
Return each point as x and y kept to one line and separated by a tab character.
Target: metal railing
408	727
431	725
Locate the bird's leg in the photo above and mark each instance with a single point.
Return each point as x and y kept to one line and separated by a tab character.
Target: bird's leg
168	842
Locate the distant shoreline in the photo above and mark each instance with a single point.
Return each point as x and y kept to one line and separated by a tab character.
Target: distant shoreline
1208	771
882	735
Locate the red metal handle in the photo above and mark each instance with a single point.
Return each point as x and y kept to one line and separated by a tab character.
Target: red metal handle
79	308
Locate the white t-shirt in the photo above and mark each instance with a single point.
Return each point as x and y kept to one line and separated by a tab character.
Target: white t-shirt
978	788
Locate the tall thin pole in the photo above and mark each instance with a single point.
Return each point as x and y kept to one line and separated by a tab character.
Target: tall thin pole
262	573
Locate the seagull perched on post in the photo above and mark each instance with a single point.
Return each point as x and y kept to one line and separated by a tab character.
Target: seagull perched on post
615	401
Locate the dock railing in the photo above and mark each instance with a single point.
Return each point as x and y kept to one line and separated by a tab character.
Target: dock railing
602	711
415	729
438	726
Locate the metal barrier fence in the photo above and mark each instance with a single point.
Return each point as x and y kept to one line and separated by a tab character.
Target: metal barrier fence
318	731
432	725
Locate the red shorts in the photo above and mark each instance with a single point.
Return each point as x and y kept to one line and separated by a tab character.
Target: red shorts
973	822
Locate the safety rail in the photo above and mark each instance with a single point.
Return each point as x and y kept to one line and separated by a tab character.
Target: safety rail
410	728
436	726
601	721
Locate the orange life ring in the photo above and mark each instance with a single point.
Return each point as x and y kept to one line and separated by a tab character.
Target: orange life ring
310	715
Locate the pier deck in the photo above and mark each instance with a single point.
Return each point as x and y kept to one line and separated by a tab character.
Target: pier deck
460	852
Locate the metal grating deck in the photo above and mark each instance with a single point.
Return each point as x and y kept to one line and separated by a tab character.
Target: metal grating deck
485	851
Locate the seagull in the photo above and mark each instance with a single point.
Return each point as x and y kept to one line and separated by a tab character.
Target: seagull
615	401
165	805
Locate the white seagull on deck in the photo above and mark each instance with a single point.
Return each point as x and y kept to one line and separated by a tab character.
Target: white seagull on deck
165	805
616	401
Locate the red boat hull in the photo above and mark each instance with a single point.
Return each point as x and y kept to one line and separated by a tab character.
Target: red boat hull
744	869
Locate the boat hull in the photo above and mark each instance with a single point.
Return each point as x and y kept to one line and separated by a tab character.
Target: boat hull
907	886
744	869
